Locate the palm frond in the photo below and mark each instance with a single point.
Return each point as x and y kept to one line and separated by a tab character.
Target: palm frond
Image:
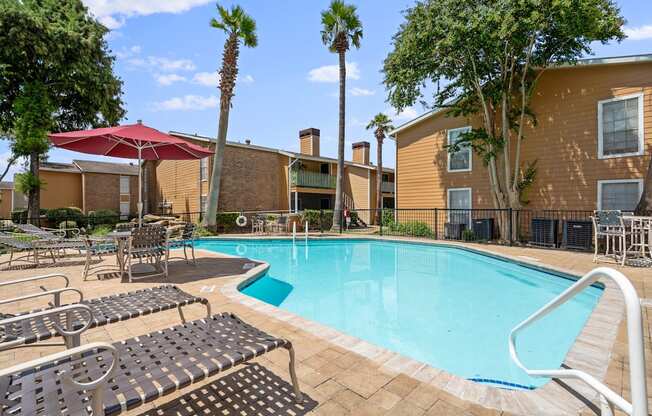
236	21
340	20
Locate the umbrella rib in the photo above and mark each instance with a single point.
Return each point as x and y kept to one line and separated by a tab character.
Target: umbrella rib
111	148
186	150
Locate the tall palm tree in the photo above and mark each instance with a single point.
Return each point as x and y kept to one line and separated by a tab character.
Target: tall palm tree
341	28
381	125
238	26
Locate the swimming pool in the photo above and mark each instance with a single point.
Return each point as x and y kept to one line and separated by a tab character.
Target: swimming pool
445	306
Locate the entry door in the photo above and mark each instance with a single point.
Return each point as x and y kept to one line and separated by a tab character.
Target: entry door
459	199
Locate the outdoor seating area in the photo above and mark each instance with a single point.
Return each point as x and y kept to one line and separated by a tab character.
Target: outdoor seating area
621	237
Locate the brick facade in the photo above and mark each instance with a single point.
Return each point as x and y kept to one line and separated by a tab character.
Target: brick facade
102	191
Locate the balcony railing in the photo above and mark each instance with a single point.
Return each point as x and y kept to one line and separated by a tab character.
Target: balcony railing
313	179
387	187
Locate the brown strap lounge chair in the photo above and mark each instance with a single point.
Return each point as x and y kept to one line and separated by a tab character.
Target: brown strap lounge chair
107	379
71	320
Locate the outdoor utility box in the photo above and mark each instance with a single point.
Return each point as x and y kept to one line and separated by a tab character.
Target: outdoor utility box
578	234
543	232
453	231
483	228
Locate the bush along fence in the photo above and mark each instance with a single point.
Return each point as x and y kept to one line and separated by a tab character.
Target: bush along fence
571	229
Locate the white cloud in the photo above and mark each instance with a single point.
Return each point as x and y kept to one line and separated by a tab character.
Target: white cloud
159	63
407	114
639	33
361	92
114	13
212	79
128	53
331	73
188	103
247	79
169	79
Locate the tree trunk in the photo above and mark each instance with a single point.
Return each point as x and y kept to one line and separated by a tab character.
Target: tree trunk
339	188
34	194
379	180
644	206
228	75
10	163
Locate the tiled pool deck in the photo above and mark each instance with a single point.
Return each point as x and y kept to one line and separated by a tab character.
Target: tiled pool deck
341	374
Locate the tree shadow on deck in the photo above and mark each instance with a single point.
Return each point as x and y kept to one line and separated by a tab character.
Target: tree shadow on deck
252	390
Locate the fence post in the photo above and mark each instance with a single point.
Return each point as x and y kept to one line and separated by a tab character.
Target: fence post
436	224
381	221
511	225
321	221
341	214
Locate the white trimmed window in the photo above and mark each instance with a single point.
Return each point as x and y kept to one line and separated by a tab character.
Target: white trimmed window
459	205
619	194
124	185
203	169
620	126
458	161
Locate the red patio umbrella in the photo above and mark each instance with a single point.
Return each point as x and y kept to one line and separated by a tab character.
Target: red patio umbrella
131	141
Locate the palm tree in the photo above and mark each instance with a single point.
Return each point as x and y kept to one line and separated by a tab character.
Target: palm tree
381	125
238	26
341	28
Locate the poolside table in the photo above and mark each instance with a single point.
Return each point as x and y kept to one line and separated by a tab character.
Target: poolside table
641	227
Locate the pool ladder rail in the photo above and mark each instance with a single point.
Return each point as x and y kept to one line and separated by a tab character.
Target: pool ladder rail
608	398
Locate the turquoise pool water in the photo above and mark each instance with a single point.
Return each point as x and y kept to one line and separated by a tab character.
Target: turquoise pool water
448	307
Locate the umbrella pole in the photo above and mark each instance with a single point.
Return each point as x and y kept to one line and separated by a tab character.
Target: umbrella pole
140	188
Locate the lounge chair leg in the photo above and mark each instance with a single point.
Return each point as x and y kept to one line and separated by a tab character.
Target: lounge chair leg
194	260
293	375
11	256
97	400
183	318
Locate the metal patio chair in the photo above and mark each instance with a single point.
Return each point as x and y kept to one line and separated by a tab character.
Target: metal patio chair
185	240
149	245
611	226
280	225
70	320
33	248
48	233
107	379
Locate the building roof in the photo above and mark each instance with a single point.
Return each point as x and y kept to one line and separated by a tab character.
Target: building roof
6	185
92	166
611	60
288	153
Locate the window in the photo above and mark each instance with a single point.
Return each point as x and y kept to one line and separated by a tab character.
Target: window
619	194
124	209
124	184
459	161
385	177
203	203
620	126
459	204
203	169
325	168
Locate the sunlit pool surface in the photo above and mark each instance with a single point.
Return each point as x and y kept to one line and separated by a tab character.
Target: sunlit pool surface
448	307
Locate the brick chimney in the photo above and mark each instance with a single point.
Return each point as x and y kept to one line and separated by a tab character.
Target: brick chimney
361	153
309	142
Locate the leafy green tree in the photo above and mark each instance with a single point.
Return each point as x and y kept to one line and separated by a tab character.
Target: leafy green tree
485	57
238	26
341	28
381	125
56	73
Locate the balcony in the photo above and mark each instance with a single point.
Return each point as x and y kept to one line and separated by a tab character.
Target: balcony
309	179
387	187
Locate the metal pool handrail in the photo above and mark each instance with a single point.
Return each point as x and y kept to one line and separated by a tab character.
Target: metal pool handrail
608	397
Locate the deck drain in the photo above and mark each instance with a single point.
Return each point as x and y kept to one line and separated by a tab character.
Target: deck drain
248	266
207	289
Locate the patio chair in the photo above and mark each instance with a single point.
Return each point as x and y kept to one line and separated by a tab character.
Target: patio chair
258	223
33	248
96	247
281	224
70	320
610	225
185	240
107	379
148	244
47	233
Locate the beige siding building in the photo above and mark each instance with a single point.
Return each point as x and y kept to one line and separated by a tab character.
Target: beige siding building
262	178
592	144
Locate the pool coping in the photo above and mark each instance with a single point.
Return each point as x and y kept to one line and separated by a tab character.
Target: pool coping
591	351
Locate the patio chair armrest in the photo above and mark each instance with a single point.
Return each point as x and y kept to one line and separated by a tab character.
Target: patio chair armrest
65	332
35	278
61	232
54	292
70	353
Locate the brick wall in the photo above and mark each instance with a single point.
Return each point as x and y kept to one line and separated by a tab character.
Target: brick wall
102	191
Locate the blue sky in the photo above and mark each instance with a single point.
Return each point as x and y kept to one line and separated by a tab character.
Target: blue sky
167	55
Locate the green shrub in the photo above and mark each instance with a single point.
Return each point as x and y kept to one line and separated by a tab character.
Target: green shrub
103	216
354	217
387	217
226	221
57	215
101	230
19	216
201	231
468	235
316	217
412	228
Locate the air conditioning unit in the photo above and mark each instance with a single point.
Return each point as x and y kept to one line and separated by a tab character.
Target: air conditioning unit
483	228
543	232
578	234
453	231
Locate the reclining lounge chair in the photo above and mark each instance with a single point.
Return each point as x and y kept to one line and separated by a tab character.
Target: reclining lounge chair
72	319
107	379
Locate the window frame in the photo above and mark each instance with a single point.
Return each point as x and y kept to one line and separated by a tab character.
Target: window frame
641	126
448	201
601	182
128	180
448	154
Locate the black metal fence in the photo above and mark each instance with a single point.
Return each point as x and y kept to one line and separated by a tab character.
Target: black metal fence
550	228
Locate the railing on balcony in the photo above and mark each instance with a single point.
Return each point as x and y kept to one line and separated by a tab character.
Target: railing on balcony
313	179
387	187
